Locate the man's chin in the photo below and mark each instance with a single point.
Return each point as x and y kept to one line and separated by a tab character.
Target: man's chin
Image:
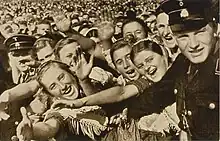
197	60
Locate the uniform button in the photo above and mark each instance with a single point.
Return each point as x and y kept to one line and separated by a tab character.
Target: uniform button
211	106
189	113
16	122
29	113
175	91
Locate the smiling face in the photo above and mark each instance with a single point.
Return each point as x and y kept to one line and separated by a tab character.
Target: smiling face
122	61
151	64
68	54
196	45
22	58
60	83
165	31
135	29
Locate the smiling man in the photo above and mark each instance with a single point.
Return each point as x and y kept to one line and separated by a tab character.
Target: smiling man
120	54
166	34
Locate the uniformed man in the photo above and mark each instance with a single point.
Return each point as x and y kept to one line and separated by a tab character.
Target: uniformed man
22	57
197	68
22	61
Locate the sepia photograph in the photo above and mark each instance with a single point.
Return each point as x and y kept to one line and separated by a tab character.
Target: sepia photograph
109	70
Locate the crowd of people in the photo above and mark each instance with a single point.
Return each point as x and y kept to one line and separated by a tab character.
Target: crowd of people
113	70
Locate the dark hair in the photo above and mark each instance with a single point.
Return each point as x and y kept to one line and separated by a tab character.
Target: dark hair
146	45
60	44
118	45
158	11
43	42
44	21
141	22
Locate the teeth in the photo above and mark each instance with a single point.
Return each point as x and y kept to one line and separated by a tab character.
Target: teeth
68	90
152	71
130	71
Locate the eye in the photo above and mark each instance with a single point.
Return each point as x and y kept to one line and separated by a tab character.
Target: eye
160	26
49	55
149	59
69	55
140	66
61	76
52	86
183	36
119	61
200	31
128	56
138	32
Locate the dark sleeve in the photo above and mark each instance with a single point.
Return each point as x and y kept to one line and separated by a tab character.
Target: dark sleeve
152	97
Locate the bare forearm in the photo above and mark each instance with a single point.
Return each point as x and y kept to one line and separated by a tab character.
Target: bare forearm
20	91
112	95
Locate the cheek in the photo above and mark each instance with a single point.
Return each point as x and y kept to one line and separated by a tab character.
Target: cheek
182	44
119	67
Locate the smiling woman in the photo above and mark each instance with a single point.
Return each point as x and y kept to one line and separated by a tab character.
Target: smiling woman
150	59
58	81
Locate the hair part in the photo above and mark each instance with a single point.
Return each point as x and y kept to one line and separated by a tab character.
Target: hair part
146	45
121	43
60	44
141	22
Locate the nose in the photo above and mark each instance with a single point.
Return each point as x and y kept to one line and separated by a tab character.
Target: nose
193	42
166	30
125	64
62	85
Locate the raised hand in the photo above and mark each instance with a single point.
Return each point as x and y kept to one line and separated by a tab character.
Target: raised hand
83	68
106	28
25	127
120	118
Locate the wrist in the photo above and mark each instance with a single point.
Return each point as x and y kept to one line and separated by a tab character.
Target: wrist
4	98
84	80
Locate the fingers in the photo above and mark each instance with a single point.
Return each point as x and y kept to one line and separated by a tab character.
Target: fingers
91	59
125	114
3	116
107	14
14	138
24	114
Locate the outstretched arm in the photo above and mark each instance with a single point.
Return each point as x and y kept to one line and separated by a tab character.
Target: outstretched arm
19	92
111	95
39	131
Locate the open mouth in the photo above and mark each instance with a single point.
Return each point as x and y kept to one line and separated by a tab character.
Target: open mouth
67	91
168	37
152	70
130	71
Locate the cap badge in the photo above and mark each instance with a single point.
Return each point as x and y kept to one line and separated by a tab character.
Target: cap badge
15	38
181	3
17	44
184	13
